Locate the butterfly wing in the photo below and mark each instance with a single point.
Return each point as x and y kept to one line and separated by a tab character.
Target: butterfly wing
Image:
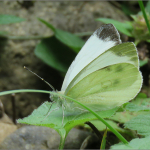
108	87
102	39
122	53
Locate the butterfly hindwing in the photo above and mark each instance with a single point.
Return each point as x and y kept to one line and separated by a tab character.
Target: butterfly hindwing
108	87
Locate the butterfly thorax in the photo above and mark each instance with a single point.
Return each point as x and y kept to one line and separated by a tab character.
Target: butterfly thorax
58	99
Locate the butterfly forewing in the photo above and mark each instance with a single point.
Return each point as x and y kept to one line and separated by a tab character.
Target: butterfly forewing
102	39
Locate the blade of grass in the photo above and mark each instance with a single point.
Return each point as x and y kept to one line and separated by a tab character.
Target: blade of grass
103	143
144	14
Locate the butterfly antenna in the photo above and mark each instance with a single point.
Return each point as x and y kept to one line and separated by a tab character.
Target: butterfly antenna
40	78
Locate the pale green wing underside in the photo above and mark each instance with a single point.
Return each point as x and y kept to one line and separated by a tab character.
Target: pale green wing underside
122	53
108	87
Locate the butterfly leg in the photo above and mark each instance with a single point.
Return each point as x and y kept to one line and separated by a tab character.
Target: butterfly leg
49	113
63	114
80	108
50	107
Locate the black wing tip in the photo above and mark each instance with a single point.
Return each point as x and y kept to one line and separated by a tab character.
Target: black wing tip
108	32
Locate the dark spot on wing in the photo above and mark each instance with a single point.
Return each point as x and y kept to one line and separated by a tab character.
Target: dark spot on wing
108	33
133	58
119	54
116	82
119	68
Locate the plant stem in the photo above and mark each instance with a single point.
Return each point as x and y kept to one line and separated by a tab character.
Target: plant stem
95	130
62	138
144	14
24	90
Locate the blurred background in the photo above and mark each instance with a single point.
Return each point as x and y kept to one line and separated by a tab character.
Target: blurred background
46	36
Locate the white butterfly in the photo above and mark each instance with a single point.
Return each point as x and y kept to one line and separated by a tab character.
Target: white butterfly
105	73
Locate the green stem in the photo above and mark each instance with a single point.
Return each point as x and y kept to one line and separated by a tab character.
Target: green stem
54	93
62	133
144	14
136	42
24	90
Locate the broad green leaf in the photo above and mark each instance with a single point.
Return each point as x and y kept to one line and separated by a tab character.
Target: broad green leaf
143	62
137	143
54	53
140	123
133	109
7	19
65	37
124	28
54	119
141	95
139	104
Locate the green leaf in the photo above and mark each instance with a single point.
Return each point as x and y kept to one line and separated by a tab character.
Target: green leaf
54	53
139	104
124	28
140	123
141	95
7	19
137	143
143	62
67	38
47	24
134	108
55	118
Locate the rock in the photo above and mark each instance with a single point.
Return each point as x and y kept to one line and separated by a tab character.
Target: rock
6	129
34	137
